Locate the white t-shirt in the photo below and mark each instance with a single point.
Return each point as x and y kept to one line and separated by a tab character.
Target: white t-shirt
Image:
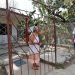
74	40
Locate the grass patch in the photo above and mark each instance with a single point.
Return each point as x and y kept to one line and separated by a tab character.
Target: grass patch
59	66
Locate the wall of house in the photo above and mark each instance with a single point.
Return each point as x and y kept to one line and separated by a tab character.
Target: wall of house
14	34
14	16
3	38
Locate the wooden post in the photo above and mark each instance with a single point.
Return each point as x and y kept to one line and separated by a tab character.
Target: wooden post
9	39
27	37
55	41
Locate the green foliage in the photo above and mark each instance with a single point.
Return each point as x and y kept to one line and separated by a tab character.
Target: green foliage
42	7
22	25
62	29
40	4
59	66
46	9
72	12
21	28
31	22
59	3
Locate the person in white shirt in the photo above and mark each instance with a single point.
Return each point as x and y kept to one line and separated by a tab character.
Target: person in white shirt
34	45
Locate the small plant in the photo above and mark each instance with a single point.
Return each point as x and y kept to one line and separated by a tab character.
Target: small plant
58	66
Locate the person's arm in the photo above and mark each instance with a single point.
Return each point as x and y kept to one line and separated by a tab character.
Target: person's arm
43	32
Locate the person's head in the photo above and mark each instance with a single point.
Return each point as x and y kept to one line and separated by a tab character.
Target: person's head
35	29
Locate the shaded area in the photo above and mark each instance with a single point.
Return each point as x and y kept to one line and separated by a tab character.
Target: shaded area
3	70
